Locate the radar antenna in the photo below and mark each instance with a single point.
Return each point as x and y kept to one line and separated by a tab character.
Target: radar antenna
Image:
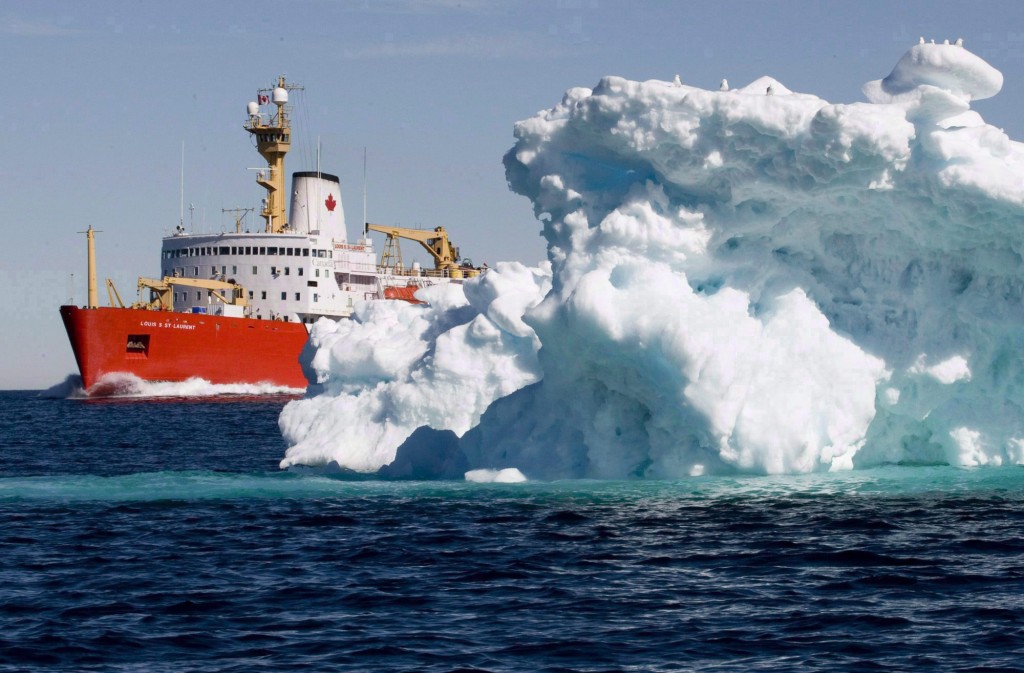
239	214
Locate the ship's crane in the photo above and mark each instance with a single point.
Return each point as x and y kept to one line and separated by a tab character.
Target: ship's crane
113	294
162	298
435	242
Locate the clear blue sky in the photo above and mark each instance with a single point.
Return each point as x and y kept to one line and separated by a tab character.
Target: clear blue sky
101	95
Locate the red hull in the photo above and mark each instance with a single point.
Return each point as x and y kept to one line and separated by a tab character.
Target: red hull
165	346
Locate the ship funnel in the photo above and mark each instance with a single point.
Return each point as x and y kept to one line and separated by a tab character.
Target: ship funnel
316	205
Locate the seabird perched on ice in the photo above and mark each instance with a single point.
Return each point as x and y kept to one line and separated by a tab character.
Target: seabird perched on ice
677	81
724	85
920	40
959	42
770	91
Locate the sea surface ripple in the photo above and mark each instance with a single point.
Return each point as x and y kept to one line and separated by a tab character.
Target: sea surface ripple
158	536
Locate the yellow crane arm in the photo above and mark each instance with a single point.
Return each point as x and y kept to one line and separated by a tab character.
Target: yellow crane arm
435	242
161	291
112	293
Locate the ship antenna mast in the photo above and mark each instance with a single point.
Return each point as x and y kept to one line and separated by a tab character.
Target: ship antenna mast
319	194
239	214
181	214
366	231
273	140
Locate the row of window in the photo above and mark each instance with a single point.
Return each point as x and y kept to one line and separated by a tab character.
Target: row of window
274	270
274	137
245	250
263	295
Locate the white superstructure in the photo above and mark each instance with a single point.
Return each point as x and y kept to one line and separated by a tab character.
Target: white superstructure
298	268
307	271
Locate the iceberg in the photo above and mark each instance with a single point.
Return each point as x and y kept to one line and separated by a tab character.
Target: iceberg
745	280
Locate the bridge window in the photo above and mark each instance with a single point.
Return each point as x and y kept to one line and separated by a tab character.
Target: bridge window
287	270
300	270
254	270
316	297
263	295
305	252
263	251
224	249
284	296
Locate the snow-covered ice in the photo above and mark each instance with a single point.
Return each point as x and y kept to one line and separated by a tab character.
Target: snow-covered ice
738	280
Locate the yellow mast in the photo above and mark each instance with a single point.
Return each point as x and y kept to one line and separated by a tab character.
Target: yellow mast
273	140
94	293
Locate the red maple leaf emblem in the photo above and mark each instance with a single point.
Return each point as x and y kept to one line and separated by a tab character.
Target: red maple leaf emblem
330	203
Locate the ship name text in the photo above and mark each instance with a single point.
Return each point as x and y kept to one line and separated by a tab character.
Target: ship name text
165	325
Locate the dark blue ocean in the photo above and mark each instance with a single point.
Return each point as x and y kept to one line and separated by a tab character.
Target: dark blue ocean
159	535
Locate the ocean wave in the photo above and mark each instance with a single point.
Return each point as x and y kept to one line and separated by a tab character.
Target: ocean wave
126	385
